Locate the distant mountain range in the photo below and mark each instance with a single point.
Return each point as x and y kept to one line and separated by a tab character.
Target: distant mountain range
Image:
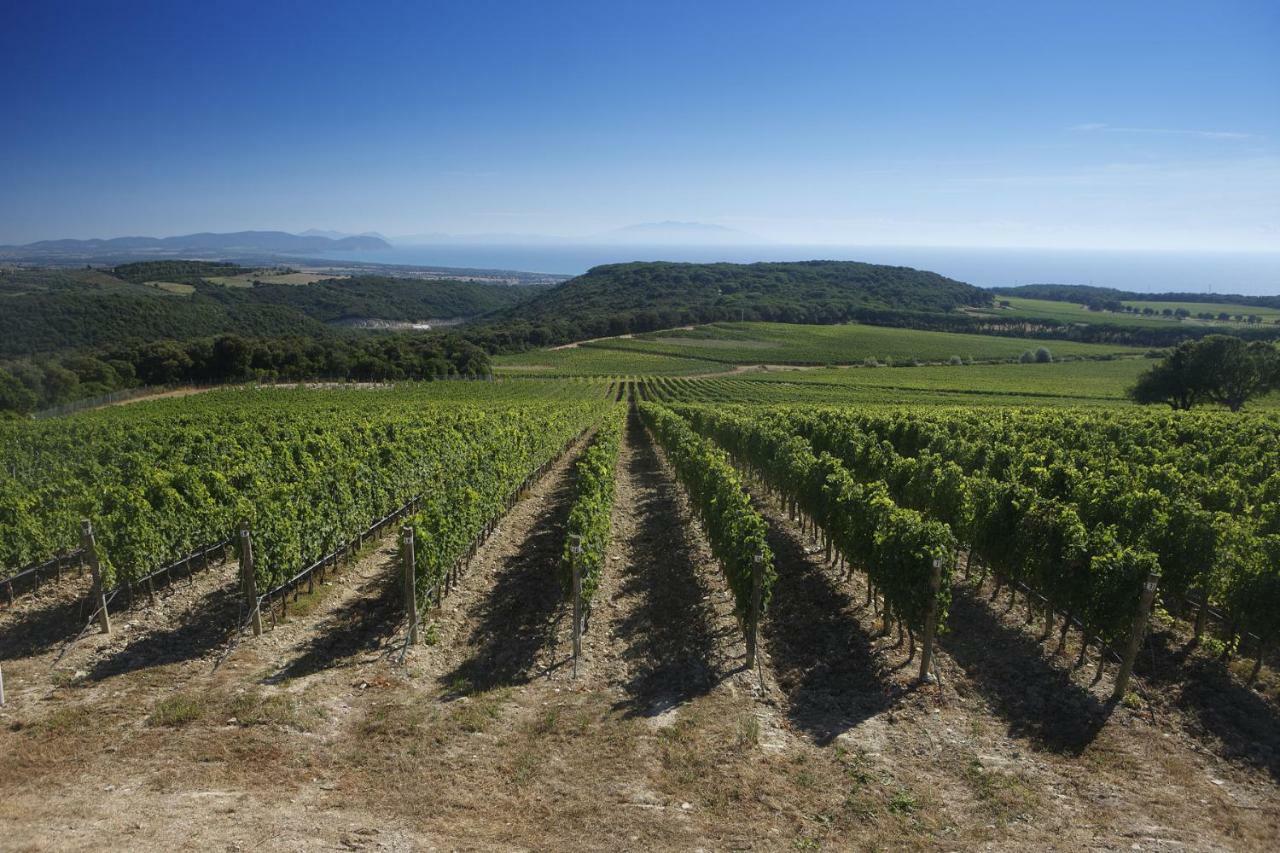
247	244
239	242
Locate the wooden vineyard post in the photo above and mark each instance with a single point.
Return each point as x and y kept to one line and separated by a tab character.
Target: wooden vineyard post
575	550
248	580
1135	639
97	596
410	585
753	619
930	620
1	688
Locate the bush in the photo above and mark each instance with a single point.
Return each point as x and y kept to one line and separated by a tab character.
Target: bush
956	360
1026	357
870	361
1043	356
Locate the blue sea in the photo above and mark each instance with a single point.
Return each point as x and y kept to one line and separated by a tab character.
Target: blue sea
1202	272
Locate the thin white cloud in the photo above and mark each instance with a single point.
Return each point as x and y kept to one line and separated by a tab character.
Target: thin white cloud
1097	127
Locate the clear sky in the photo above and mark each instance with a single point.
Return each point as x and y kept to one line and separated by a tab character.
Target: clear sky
1073	124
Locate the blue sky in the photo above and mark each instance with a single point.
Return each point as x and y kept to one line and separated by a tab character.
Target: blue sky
1074	124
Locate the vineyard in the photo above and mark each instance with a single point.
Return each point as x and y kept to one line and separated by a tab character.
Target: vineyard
768	571
729	344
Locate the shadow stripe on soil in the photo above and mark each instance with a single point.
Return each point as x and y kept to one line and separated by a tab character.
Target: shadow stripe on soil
364	623
820	654
1246	723
202	627
41	626
1039	701
672	645
517	615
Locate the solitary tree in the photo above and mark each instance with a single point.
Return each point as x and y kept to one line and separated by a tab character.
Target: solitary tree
1218	369
1232	372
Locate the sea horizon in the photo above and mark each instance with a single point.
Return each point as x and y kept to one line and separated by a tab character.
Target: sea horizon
1245	273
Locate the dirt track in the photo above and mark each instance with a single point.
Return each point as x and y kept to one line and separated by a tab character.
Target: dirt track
313	737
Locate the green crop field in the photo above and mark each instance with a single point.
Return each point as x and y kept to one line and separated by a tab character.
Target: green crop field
1084	383
1070	312
593	361
174	287
780	343
268	277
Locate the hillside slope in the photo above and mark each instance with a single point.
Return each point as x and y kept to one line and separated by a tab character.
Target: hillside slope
47	310
618	298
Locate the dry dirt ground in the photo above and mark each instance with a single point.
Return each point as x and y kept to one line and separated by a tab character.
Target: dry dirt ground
315	736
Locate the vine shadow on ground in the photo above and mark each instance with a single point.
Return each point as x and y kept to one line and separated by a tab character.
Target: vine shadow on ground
365	623
202	627
671	637
820	653
1246	724
1010	668
41	627
516	618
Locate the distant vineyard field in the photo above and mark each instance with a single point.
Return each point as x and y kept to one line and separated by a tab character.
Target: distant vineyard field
780	343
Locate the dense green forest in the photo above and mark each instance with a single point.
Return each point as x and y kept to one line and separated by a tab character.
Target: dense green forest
619	299
650	294
27	385
53	310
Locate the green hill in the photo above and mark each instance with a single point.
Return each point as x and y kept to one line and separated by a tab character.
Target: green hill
640	297
52	310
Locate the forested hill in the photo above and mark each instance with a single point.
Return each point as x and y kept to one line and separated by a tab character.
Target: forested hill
52	310
642	296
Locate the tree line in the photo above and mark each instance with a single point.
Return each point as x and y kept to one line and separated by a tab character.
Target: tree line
31	384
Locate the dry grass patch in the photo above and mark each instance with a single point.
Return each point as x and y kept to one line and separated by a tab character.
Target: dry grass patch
1004	796
282	710
476	712
178	710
